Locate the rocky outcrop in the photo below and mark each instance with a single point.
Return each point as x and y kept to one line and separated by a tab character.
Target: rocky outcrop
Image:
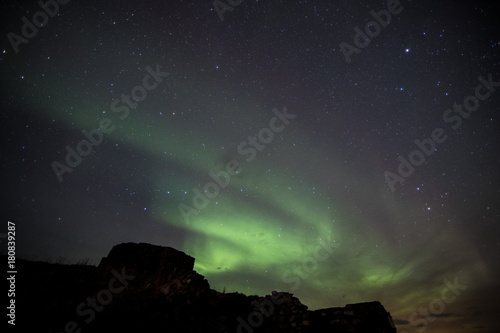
152	265
360	317
281	312
143	287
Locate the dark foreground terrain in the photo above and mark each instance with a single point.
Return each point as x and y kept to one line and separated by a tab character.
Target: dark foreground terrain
148	288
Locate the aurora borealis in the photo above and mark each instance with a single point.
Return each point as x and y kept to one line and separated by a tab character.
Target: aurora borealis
305	206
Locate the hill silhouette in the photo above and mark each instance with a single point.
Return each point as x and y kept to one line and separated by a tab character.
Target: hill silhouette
144	287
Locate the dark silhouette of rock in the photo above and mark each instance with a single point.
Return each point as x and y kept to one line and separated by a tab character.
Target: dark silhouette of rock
143	287
152	265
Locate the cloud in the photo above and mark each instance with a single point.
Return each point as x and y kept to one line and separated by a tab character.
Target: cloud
443	315
400	321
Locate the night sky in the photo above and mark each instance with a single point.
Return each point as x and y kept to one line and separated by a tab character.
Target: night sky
264	139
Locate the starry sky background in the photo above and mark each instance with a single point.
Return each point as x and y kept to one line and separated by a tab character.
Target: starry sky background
319	180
